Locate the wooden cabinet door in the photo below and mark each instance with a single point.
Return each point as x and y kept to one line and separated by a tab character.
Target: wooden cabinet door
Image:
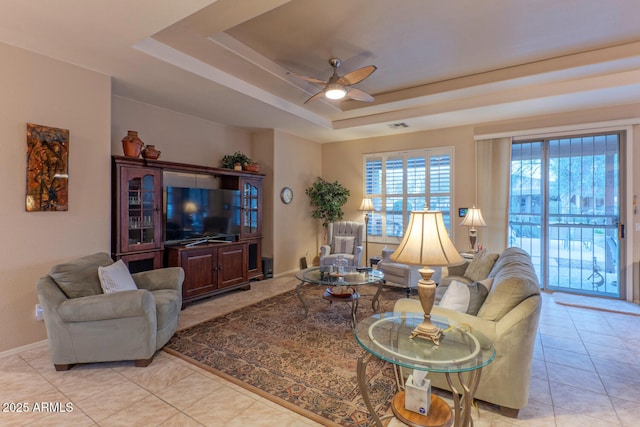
200	272
232	264
254	258
142	261
140	219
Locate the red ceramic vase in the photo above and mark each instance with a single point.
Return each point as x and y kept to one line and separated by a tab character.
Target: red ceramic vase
132	144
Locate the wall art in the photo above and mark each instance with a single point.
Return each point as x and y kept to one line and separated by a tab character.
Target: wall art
47	168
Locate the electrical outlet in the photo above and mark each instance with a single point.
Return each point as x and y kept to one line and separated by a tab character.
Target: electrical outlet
39	314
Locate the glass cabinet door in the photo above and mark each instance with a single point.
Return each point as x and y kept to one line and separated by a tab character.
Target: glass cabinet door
250	208
141	219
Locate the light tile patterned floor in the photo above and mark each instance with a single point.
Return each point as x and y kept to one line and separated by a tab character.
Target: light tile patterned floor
586	372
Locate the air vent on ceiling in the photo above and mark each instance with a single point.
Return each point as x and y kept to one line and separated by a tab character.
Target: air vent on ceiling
398	125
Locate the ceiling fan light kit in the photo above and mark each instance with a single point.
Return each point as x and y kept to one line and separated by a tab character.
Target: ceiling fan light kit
339	87
335	91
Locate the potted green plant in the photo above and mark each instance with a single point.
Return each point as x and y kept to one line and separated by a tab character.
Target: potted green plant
327	200
236	160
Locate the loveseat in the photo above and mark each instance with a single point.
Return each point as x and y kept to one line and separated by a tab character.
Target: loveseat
86	325
508	316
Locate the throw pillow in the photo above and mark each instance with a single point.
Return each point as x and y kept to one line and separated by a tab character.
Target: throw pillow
481	266
116	278
478	296
456	297
343	244
79	278
464	298
487	283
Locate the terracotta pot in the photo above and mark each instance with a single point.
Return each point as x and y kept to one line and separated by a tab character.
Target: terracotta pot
132	144
150	152
252	168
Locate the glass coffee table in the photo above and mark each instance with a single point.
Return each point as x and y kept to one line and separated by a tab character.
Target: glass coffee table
346	283
461	352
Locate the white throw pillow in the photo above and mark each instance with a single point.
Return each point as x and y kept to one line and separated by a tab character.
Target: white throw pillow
116	278
464	298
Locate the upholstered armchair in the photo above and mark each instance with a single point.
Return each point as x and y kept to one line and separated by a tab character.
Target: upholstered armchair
344	238
402	275
85	325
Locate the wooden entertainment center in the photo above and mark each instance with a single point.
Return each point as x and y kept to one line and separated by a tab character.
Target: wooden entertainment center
211	266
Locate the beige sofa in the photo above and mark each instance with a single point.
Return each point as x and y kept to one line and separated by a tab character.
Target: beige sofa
85	325
509	317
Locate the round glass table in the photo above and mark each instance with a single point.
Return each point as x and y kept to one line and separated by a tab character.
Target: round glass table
461	351
347	283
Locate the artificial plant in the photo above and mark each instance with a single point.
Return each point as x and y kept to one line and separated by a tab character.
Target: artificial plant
327	199
229	160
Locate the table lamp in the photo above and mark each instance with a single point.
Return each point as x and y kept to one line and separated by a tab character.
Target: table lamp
427	243
473	219
367	206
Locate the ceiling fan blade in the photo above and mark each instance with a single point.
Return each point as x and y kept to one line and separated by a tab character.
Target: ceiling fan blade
357	76
359	95
309	79
317	95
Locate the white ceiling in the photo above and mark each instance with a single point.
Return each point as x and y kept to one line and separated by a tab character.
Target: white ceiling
440	63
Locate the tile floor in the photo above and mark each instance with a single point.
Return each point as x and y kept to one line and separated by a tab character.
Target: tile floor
586	372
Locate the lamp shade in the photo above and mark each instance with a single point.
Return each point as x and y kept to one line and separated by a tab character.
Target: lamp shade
473	218
366	205
426	242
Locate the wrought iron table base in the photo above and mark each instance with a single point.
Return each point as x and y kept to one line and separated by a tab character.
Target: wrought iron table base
462	402
353	299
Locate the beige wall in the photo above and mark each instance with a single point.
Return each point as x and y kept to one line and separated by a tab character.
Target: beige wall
40	90
298	164
342	161
180	138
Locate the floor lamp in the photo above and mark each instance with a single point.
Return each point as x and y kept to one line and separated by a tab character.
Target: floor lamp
427	243
366	206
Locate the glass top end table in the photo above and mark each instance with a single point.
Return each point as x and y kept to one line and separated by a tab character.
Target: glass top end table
461	351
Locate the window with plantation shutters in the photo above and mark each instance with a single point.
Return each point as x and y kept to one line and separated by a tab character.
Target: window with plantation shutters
401	182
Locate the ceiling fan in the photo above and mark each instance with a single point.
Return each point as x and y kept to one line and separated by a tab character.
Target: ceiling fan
338	87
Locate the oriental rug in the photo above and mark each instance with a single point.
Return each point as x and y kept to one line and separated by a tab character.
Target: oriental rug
305	364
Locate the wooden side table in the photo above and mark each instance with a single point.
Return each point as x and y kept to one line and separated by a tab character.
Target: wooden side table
440	414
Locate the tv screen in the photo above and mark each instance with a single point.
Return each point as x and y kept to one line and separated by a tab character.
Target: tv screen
195	213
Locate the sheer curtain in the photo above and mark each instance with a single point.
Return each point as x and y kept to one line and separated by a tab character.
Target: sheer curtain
493	171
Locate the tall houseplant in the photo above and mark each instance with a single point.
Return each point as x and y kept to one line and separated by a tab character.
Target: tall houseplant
327	199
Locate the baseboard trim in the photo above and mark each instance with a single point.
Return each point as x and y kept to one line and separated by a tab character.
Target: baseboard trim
23	348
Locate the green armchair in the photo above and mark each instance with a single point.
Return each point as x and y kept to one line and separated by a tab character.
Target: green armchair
85	325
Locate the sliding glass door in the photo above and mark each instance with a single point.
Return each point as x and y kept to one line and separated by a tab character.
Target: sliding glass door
565	211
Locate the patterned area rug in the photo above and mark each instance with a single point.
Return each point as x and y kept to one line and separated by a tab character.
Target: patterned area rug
308	365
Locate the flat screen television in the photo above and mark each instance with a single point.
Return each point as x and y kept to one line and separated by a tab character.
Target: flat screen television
197	213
